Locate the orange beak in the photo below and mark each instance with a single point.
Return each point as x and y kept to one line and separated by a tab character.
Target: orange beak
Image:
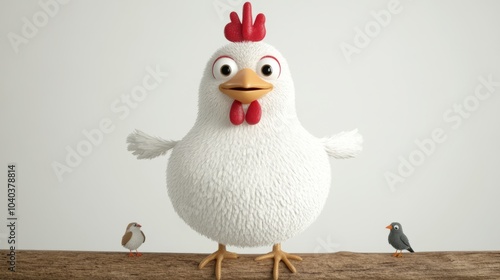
389	227
246	86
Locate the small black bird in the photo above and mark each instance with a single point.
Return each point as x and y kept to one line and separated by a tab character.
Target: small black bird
398	239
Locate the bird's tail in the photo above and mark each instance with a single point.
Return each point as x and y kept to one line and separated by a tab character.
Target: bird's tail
411	250
343	145
145	146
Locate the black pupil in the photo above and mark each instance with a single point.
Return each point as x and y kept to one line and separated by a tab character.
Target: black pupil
267	70
225	70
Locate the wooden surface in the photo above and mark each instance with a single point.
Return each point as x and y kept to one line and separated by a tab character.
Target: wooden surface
342	265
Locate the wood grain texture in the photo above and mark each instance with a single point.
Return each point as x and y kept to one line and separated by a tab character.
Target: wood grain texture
341	265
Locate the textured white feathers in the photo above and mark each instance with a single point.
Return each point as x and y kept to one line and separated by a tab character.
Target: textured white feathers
248	185
346	144
145	146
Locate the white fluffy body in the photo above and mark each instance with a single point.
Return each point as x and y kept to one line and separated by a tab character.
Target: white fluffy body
248	185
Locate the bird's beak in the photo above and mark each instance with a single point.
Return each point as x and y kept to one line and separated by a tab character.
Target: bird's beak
389	227
138	225
246	86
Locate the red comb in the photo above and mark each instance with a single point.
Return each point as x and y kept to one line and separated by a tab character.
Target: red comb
235	31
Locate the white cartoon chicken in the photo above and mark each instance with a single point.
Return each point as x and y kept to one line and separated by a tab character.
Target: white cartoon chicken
248	174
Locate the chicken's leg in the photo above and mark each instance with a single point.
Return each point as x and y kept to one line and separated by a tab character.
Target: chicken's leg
218	255
278	256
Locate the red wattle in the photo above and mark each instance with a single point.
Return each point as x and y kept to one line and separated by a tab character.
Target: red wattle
254	112
236	115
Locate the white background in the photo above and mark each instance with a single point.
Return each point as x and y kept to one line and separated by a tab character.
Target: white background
395	90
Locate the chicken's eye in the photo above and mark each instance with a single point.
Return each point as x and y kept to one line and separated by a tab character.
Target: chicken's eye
396	227
224	68
269	68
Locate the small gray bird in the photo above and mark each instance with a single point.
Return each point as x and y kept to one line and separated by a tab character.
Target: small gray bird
398	239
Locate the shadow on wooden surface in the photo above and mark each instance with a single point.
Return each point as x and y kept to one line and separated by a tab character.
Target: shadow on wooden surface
341	265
